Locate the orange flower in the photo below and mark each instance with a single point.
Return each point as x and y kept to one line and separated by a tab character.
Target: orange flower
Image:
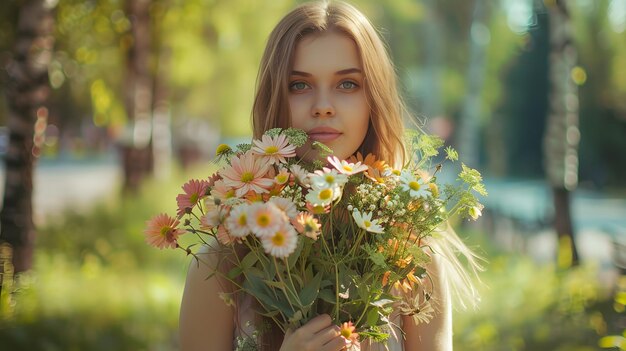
375	168
403	262
347	331
386	278
161	231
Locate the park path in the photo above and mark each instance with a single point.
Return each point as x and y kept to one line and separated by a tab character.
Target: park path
61	185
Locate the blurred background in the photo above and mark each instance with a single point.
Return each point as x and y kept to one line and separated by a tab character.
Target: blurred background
108	106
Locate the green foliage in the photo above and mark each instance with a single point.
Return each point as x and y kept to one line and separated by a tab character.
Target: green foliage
96	285
531	306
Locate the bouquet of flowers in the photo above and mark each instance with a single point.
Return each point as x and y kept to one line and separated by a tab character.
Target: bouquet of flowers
350	238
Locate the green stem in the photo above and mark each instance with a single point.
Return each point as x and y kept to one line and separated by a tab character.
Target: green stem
280	278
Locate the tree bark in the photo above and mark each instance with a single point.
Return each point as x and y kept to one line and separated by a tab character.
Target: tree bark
27	92
562	132
137	146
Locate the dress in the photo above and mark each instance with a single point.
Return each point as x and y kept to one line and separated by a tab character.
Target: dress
245	317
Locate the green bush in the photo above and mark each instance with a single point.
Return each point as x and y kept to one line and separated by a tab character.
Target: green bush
530	306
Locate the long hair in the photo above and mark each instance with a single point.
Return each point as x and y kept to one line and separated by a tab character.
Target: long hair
271	109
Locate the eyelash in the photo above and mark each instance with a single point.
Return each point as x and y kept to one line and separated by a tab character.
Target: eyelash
292	86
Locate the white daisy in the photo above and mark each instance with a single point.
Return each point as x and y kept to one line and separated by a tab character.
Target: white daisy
237	221
301	175
214	217
265	218
327	178
346	167
364	220
281	242
285	205
322	196
415	186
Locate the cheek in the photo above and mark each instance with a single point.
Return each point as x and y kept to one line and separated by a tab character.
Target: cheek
297	111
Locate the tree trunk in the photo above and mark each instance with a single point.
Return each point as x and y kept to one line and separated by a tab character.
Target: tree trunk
470	115
137	146
562	132
27	91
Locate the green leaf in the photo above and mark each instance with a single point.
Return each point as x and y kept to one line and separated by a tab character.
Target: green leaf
234	273
429	144
293	258
378	258
249	261
274	284
327	295
311	290
372	317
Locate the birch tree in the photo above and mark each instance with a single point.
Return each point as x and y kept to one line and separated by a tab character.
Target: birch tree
562	133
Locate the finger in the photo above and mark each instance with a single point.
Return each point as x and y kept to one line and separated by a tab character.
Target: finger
318	323
327	334
335	344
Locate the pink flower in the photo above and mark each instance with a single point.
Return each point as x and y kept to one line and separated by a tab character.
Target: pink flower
224	237
194	190
221	191
274	150
161	231
346	167
246	173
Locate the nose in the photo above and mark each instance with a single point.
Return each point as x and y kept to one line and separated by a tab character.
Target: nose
323	106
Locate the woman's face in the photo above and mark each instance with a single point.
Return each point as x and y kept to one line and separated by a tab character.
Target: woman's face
326	94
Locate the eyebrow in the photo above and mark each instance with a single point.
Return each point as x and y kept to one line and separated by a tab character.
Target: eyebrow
338	73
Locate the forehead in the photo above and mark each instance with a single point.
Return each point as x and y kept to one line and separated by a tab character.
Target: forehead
328	51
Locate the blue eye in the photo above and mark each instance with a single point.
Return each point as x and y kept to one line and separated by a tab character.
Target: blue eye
298	86
348	85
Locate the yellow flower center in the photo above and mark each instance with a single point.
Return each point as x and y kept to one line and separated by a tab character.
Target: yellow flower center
347	168
326	194
247	177
263	220
242	219
165	230
282	178
330	179
367	224
222	149
278	239
230	193
346	333
193	198
414	185
270	150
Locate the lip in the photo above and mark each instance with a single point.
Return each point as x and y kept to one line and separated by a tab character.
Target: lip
324	134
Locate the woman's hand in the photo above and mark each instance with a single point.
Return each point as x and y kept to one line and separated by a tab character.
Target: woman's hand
318	334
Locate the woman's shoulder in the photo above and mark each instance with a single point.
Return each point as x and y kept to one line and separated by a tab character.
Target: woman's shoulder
204	313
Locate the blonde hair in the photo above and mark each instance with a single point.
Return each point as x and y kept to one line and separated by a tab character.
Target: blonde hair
271	109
